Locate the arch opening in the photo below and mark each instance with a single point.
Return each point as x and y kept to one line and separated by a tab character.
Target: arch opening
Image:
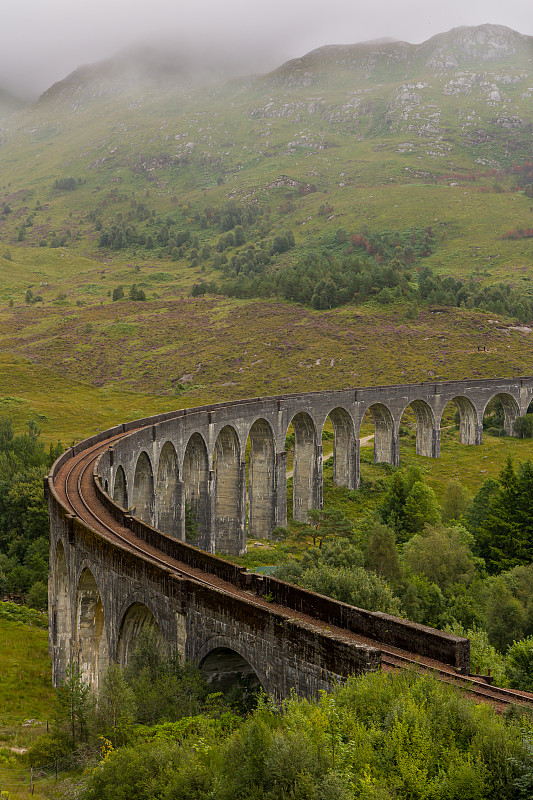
120	489
137	619
419	415
91	635
226	670
61	625
230	489
169	506
345	449
196	491
385	440
307	467
143	489
261	480
470	432
500	415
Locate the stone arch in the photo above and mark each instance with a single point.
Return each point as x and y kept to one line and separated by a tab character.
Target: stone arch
91	634
196	487
385	438
261	480
222	661
427	433
120	489
470	432
307	467
345	455
143	489
230	487
511	410
61	621
169	506
224	667
137	618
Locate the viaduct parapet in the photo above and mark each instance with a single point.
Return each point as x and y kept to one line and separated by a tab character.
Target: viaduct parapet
119	561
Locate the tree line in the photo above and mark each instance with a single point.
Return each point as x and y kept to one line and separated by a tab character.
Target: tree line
464	565
24	529
381	266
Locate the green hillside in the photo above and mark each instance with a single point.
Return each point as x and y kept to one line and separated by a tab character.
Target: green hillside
315	213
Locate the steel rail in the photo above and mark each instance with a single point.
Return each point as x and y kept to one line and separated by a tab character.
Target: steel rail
468	683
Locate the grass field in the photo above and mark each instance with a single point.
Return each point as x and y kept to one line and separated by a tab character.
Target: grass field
67	410
222	349
26	694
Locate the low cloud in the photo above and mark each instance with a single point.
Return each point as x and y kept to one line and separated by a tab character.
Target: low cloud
41	41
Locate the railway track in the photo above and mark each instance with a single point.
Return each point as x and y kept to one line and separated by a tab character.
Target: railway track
477	688
81	473
74	484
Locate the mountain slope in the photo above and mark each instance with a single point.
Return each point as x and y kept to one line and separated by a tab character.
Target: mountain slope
347	121
9	103
110	182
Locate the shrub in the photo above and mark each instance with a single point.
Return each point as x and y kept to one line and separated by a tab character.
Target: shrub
523	426
65	184
519	665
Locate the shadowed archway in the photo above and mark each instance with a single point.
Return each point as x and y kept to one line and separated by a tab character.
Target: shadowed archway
143	489
510	408
169	506
120	489
261	480
91	635
427	432
226	669
230	488
470	431
345	445
136	619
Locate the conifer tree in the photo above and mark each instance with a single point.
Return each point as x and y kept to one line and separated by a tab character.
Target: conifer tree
421	508
479	508
381	554
524	512
116	705
499	536
392	509
72	706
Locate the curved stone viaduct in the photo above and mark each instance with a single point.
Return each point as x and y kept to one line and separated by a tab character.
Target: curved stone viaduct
119	562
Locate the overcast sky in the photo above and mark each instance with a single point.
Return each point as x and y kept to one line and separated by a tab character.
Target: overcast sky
41	41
